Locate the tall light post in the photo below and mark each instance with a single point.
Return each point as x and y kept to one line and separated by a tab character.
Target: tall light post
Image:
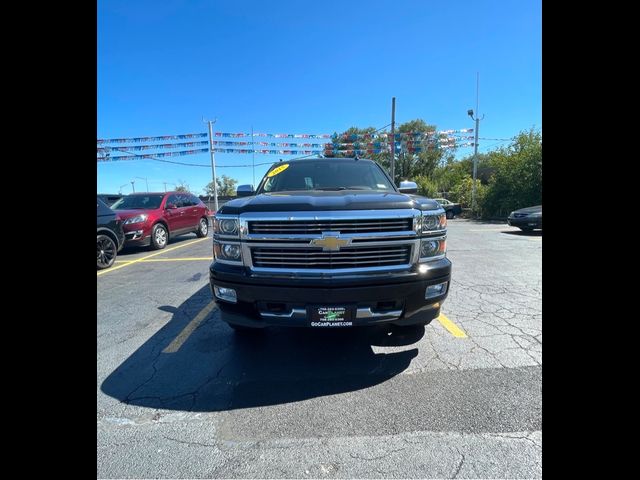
120	189
145	181
133	186
213	163
475	143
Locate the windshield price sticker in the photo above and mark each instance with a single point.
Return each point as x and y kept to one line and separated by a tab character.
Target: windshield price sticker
277	170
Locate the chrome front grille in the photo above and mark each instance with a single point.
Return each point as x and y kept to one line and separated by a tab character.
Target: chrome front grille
346	257
306	227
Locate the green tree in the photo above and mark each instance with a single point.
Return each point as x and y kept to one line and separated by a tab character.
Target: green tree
182	186
517	178
226	186
462	193
427	187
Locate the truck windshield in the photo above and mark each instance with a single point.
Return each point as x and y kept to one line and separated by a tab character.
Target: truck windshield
325	175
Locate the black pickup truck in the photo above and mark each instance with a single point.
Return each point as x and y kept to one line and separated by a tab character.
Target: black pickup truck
329	242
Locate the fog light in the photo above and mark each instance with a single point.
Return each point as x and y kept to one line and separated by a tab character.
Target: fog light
226	294
435	290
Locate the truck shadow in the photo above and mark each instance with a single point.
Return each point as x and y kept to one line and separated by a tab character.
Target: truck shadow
215	369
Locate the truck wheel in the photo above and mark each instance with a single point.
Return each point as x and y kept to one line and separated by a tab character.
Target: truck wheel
449	214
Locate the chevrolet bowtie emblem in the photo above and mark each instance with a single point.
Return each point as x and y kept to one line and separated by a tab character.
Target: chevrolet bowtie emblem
330	242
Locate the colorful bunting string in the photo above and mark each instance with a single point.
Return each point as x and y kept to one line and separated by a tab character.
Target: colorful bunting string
272	135
152	155
152	139
153	147
267	144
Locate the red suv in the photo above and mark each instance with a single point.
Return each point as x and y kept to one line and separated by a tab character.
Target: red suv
152	218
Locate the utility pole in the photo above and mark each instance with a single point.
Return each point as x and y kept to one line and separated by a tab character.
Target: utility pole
253	158
475	143
213	165
165	186
393	140
133	187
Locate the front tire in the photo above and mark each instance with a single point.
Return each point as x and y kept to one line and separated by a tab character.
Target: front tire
159	237
449	214
107	251
203	228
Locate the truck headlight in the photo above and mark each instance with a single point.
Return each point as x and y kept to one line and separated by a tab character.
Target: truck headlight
431	222
226	225
432	247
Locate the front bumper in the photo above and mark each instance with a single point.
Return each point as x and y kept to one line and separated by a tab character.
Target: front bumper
137	235
532	222
394	298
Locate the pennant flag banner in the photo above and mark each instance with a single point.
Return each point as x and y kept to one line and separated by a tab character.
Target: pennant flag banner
358	145
398	136
153	147
266	152
152	139
272	135
267	144
152	155
351	152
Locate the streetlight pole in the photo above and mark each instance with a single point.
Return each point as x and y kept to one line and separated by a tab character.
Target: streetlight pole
475	143
133	187
145	180
213	165
393	140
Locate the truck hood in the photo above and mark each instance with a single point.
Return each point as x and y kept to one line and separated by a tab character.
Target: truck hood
318	201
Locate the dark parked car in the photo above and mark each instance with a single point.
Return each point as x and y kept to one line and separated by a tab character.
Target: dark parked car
151	219
110	235
526	219
109	199
450	209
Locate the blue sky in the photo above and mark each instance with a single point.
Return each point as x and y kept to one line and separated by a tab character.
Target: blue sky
307	67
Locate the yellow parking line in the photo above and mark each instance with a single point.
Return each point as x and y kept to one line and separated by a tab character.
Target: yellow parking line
101	272
177	342
452	327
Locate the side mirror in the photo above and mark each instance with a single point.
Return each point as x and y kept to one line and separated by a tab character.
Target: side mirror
171	206
408	187
245	191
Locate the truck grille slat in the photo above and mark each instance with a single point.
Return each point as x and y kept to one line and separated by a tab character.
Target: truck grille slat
348	257
343	226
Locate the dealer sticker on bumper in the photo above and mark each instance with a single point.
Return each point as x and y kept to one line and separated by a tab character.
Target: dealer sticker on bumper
331	316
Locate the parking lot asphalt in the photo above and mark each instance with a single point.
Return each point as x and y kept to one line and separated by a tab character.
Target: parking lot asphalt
181	396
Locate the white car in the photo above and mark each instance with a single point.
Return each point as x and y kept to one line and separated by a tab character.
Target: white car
451	209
